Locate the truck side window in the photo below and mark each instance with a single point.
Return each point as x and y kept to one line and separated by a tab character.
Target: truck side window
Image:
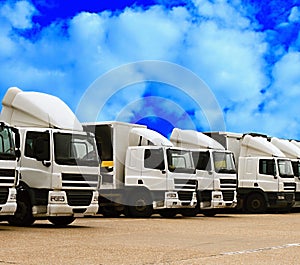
202	160
267	167
37	142
154	158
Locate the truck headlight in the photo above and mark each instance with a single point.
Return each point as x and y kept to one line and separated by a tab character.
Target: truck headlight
13	196
217	196
171	195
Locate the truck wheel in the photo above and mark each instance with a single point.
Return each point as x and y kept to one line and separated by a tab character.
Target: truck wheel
61	220
23	215
256	203
209	213
190	212
140	204
109	212
168	213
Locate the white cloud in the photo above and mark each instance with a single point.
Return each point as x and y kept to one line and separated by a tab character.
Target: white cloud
19	14
225	14
286	74
216	40
229	60
279	114
295	14
151	34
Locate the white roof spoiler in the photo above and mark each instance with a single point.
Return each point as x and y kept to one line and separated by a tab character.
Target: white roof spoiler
194	139
35	109
289	148
154	137
262	145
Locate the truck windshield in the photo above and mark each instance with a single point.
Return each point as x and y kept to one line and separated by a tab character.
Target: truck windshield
180	161
296	168
285	168
75	149
7	147
223	163
202	160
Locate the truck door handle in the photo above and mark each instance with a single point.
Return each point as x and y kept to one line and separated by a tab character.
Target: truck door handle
163	172
46	163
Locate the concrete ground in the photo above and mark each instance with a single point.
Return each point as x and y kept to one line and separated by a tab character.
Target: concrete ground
223	239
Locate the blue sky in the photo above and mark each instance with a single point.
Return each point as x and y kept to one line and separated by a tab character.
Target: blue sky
246	51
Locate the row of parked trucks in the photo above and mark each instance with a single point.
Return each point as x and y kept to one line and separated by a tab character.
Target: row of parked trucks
51	165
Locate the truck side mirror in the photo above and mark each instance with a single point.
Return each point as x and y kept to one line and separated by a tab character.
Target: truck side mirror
17	143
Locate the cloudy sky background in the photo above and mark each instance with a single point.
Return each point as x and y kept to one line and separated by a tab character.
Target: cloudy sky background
246	51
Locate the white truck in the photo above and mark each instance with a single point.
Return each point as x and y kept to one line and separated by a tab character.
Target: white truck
142	172
265	175
291	149
9	153
215	170
58	168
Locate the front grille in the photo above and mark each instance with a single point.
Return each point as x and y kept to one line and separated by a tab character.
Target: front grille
185	184
79	181
3	195
79	197
289	186
228	183
185	195
7	177
228	195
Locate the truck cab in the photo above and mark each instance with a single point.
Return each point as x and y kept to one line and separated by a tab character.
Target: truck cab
58	167
265	174
215	170
142	172
291	149
9	153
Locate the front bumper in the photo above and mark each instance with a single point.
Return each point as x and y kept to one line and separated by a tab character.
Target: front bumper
218	202
10	206
58	205
281	199
172	200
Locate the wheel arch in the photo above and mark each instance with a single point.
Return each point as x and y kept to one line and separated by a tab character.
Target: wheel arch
136	189
24	191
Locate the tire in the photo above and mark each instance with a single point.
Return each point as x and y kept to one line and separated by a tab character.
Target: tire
256	203
109	212
209	213
168	213
190	212
23	215
139	204
61	221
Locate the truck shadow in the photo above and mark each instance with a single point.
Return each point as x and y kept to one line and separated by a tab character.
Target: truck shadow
5	226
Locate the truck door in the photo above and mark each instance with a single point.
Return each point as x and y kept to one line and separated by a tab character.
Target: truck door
36	167
204	173
154	169
267	179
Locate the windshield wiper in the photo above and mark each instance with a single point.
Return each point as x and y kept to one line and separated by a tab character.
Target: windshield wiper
225	170
286	176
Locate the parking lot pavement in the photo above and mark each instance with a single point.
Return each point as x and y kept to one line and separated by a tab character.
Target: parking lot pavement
223	239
